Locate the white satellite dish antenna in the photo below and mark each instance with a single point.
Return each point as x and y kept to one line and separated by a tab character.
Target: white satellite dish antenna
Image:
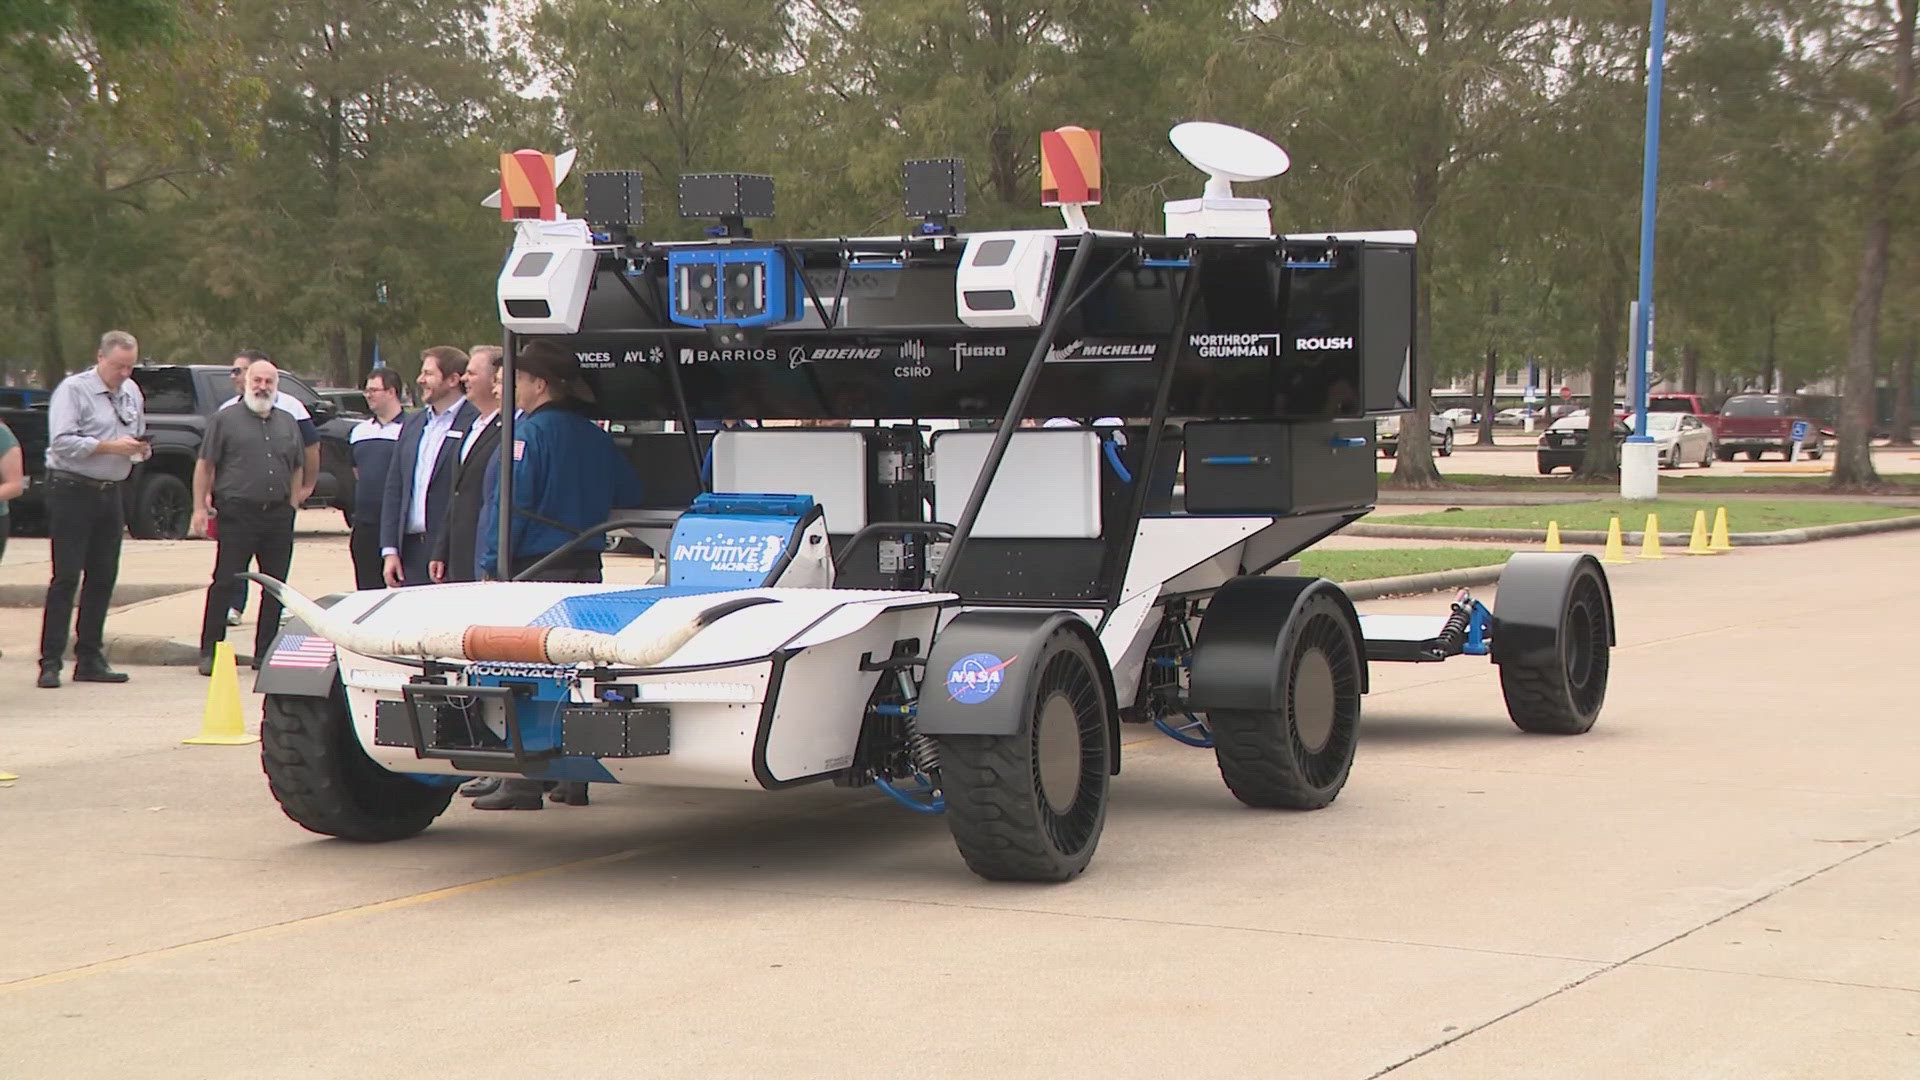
1227	154
562	164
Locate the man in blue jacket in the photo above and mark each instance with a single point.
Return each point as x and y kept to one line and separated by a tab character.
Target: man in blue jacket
420	482
568	475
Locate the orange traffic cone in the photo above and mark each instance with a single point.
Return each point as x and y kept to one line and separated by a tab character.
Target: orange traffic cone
1650	541
1616	552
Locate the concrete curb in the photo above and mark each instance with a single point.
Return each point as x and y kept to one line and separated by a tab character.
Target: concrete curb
1410	584
150	649
34	594
1811	533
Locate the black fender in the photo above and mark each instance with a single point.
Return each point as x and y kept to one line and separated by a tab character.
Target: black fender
296	681
1532	601
1236	655
1012	639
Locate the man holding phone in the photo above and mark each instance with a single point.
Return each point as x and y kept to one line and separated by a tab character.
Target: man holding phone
96	432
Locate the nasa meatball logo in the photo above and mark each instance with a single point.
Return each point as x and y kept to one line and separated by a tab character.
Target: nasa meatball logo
976	677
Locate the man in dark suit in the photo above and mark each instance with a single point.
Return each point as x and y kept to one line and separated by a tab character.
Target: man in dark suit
454	553
420	481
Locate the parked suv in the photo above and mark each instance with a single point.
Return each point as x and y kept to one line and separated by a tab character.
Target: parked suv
1758	423
180	399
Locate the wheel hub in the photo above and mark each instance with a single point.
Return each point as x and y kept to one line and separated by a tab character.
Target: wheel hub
1057	745
1313	702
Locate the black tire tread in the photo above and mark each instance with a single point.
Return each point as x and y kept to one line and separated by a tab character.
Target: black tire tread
993	803
1537	701
1259	769
1255	748
326	783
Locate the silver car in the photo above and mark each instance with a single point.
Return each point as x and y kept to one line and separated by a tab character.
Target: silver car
1439	432
1683	439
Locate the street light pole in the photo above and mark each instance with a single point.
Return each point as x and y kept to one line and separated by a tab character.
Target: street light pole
1639	459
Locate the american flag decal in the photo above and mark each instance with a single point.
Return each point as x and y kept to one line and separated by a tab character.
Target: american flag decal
303	651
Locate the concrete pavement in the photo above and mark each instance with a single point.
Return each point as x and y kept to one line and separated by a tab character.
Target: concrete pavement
1717	881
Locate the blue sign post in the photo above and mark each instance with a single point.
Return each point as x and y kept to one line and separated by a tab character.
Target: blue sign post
1639	476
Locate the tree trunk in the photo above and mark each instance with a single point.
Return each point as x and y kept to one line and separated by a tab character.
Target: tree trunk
1853	460
364	364
1773	341
1690	368
337	360
43	298
1903	392
1603	458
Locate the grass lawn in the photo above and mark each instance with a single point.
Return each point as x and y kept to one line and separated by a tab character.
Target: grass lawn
1362	564
1688	482
1676	515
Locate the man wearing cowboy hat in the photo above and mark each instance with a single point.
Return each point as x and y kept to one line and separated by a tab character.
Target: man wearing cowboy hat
567	477
567	473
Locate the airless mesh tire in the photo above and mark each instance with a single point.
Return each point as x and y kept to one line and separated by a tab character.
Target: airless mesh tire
1030	806
1297	757
1561	694
325	782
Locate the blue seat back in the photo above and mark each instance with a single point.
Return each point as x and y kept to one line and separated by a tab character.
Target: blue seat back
737	541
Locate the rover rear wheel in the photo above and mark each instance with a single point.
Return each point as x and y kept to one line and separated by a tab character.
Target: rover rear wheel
1297	756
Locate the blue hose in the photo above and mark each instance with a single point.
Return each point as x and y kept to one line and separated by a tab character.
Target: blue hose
934	805
1113	459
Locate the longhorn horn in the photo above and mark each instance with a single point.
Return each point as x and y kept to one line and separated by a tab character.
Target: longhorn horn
510	644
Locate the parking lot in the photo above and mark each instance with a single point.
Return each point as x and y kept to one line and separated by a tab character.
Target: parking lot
1718	880
1513	455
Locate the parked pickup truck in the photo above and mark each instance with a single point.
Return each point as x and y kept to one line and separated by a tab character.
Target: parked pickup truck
29	425
1757	423
180	399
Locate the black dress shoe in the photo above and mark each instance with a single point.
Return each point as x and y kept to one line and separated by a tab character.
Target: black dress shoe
206	665
98	671
49	678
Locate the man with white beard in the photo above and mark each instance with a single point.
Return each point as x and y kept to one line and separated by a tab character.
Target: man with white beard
251	474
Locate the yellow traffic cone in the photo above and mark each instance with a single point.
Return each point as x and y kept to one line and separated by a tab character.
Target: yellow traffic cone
1650	542
1616	550
222	726
1553	536
1720	541
1698	544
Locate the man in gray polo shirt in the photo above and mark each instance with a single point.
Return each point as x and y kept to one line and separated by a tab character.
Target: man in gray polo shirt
96	421
251	473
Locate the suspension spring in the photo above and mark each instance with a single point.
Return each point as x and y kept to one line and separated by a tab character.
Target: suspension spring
920	748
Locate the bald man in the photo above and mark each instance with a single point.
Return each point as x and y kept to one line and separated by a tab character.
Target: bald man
251	474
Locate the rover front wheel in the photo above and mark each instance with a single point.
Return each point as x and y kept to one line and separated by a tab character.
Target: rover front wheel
325	782
1030	806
